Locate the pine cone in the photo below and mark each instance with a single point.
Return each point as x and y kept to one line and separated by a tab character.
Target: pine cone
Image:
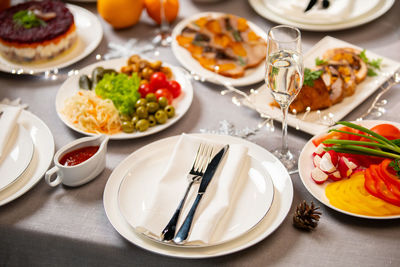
306	217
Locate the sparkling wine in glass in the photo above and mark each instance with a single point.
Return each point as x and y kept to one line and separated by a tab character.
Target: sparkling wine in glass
284	79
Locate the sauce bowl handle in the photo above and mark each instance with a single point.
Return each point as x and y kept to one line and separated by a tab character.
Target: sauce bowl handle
50	173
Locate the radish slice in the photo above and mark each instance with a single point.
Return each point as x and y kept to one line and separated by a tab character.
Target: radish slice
344	167
334	157
326	164
335	176
318	176
316	161
320	150
353	163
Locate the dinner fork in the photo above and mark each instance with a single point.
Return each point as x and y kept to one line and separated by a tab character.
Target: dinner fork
203	157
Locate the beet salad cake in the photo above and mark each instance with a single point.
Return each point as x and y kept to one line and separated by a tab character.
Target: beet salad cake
36	30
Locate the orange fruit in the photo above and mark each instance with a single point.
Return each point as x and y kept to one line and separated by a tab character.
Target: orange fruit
120	13
153	8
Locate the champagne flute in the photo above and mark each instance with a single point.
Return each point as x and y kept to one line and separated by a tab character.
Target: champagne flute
163	37
284	78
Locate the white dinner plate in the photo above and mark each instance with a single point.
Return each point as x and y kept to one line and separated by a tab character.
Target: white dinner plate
252	75
17	156
137	191
283	196
89	33
70	87
314	122
262	9
318	191
42	156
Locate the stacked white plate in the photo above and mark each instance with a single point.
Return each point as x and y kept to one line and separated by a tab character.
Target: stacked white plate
26	157
267	188
341	14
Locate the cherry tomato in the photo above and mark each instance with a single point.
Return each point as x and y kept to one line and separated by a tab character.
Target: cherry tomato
158	80
387	130
166	93
175	88
144	89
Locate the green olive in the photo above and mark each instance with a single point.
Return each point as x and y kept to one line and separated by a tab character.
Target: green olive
151	97
142	125
161	116
141	102
170	111
152	120
127	127
162	101
85	82
135	119
124	117
152	107
142	112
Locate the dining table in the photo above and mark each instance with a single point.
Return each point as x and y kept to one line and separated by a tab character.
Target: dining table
68	226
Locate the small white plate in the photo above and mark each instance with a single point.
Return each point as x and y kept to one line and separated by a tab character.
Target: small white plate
260	7
137	191
314	123
252	75
89	32
181	104
17	156
283	196
42	156
318	191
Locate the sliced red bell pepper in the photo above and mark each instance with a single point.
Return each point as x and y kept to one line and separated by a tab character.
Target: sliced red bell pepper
336	135
382	190
369	183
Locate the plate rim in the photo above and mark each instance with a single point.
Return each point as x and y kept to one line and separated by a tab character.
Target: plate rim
182	54
91	47
187	89
31	151
281	204
303	160
259	8
46	158
267	180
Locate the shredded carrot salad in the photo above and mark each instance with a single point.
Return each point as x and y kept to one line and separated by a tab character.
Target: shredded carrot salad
90	113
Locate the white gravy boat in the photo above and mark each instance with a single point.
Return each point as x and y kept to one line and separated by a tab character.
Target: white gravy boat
83	172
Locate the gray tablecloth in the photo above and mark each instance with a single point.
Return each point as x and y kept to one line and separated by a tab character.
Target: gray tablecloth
68	227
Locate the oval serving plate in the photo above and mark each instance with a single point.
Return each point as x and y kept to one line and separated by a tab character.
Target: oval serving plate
318	191
181	104
252	75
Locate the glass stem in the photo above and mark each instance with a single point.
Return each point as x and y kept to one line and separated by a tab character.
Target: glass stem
285	148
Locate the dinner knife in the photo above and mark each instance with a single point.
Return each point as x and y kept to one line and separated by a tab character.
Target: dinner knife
183	232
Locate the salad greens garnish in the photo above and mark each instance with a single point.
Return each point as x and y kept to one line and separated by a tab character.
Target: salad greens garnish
395	164
373	65
27	19
121	89
311	76
319	61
